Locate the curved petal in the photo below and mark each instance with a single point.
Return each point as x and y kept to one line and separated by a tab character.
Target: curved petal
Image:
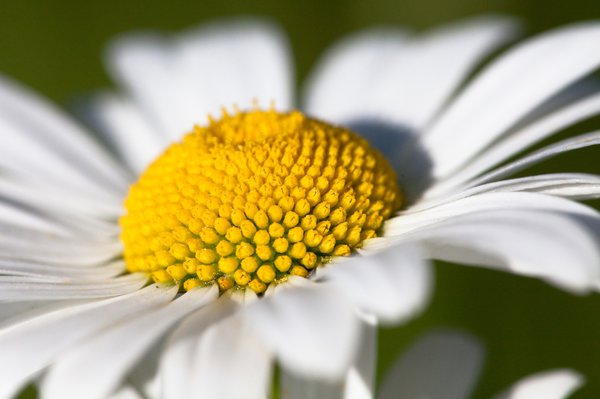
557	384
381	74
178	363
50	198
393	284
440	365
519	140
42	290
508	90
230	347
43	133
570	144
128	130
27	347
558	247
179	82
349	70
484	202
310	329
93	369
359	382
575	186
60	273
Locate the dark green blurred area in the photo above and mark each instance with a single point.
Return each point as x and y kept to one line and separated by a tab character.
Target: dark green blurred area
56	46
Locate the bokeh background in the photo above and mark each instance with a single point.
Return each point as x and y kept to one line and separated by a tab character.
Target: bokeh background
527	326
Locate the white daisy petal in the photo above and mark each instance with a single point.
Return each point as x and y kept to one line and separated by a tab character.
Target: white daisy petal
11	291
93	370
12	313
180	82
50	198
286	322
229	349
521	139
26	219
393	284
49	133
575	186
335	91
549	245
440	365
50	250
508	90
434	65
135	140
29	346
177	365
359	382
68	273
484	202
145	375
570	144
557	384
382	74
11	215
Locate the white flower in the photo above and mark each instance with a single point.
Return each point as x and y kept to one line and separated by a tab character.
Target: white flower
71	313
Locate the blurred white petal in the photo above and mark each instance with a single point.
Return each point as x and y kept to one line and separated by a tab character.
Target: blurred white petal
440	365
289	323
29	346
393	284
93	369
556	384
508	90
179	81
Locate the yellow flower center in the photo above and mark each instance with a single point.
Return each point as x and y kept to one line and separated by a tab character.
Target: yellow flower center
254	197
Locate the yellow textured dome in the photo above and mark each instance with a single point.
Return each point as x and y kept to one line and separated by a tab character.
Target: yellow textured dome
254	197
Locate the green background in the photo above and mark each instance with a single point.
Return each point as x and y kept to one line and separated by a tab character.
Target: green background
56	46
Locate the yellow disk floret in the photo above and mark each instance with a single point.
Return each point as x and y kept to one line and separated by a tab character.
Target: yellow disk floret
254	197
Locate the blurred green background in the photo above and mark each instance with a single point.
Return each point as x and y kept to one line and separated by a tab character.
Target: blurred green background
56	46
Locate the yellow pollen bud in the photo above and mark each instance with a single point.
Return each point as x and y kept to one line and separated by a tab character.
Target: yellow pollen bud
161	276
244	250
291	219
281	245
206	272
250	264
241	277
224	248
262	237
254	197
206	255
177	272
264	252
191	265
191	283
257	286
276	230
228	265
283	263
299	271
266	273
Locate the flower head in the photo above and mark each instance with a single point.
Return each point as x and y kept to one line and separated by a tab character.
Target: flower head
269	200
253	198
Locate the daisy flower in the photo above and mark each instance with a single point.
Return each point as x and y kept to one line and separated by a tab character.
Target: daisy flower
192	262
